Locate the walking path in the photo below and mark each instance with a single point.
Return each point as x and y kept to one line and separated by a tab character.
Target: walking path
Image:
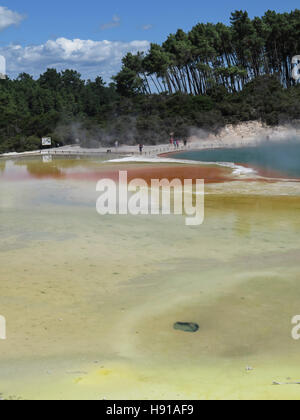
149	151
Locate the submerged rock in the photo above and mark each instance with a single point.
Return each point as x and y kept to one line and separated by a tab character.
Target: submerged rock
186	327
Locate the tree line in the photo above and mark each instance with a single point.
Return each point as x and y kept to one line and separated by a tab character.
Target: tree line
209	77
216	54
53	105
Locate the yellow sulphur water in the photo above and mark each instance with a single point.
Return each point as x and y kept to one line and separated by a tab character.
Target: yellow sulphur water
90	301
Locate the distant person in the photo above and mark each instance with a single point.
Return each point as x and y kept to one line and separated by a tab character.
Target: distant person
171	141
141	147
185	142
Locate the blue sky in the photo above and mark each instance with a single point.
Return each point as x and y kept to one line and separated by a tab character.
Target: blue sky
35	35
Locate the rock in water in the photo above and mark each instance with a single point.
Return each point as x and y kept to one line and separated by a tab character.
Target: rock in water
186	327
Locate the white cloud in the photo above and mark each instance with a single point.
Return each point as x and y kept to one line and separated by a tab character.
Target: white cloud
90	58
9	18
115	23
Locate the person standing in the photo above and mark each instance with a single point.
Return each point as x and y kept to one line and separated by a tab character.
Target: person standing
141	147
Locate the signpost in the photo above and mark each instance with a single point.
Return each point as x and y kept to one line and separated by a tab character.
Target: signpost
46	141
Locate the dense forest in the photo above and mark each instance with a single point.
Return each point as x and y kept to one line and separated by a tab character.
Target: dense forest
213	75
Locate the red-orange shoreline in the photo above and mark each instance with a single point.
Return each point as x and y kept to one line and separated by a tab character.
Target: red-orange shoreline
210	173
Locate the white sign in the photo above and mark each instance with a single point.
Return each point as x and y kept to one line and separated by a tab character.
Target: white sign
46	141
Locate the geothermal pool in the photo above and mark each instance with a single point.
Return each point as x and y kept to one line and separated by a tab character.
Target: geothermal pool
273	158
91	301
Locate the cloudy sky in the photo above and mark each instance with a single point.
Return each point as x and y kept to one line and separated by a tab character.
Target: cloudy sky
92	36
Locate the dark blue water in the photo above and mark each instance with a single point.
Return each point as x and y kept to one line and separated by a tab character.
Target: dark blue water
279	157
